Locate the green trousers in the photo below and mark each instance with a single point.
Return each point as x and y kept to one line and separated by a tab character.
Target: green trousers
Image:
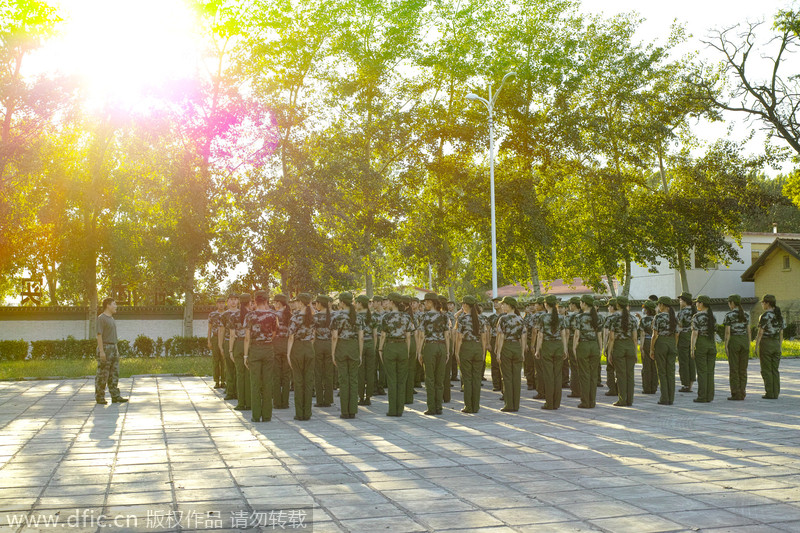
282	374
649	372
552	364
448	365
366	372
395	359
511	366
323	372
419	376
347	364
665	366
412	371
242	375
738	357
770	357
107	372
624	363
497	376
434	358
230	372
574	371
686	365
473	363
218	360
611	376
303	377
588	355
538	376
705	359
381	372
528	368
261	361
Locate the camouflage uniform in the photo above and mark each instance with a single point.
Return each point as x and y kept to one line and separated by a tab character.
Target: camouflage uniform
366	372
538	369
497	376
513	330
611	376
649	372
108	370
705	356
572	379
283	373
665	354
302	357
770	352
473	359
624	356
588	355
412	363
434	327
738	351
348	360
419	373
217	357
686	364
552	355
242	375
451	359
380	369
529	364
396	325
227	354
323	364
263	326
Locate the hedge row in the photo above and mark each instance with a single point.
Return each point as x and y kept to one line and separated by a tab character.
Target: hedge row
72	348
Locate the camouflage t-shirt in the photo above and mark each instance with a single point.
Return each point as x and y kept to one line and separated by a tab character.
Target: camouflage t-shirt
367	324
493	318
536	316
262	325
300	331
684	319
530	322
701	323
464	326
511	326
235	323
770	324
433	325
569	323
583	324
615	324
646	326
545	326
321	331
738	327
661	325
396	324
283	326
227	323
214	322
341	323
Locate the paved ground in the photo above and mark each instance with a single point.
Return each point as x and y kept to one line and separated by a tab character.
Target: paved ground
177	450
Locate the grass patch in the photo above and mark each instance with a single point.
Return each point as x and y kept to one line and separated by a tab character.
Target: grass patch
128	366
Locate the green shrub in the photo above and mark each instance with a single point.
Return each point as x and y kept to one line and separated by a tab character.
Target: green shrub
179	346
69	348
124	349
143	346
13	350
159	347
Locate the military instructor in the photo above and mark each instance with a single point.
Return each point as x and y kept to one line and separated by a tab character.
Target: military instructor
107	355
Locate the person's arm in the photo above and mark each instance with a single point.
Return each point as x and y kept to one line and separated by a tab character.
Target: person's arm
653	343
565	342
231	337
695	333
501	338
575	340
289	344
360	346
538	353
408	342
610	347
334	340
380	345
635	337
100	350
758	341
246	346
727	338
459	338
220	337
209	335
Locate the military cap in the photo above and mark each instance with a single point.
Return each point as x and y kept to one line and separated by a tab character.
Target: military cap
431	296
346	297
377	298
588	299
612	302
323	299
220	299
363	299
244	297
649	304
735	298
470	300
304	297
575	300
686	296
597	302
414	299
509	300
405	298
769	298
540	300
551	300
622	301
703	299
443	298
279	298
394	297
665	300
261	296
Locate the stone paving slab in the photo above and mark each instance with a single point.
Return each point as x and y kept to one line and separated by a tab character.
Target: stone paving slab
177	447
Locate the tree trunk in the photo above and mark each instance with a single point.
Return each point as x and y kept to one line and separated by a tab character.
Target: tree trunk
52	280
534	266
91	295
610	283
452	293
369	280
682	271
188	301
626	287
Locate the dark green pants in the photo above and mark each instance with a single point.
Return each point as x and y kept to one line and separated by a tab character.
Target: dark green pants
395	359
366	372
218	360
665	366
412	371
538	376
323	372
588	355
649	372
705	359
303	377
770	357
686	365
261	361
574	371
381	372
497	376
453	364
242	375
738	358
347	364
230	371
107	372
552	364
611	375
528	366
473	362
448	365
434	357
511	366
282	374
624	357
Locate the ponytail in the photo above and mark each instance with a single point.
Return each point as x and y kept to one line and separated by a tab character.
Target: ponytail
554	319
327	307
626	319
308	319
778	315
473	311
712	323
286	315
352	313
673	320
595	318
369	316
244	300
741	312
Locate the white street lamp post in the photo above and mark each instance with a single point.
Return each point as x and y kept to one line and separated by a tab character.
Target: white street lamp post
490	107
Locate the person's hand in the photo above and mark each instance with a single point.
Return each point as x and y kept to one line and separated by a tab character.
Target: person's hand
209	344
245	363
103	356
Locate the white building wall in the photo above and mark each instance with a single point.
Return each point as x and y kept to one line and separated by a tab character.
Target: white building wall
127	329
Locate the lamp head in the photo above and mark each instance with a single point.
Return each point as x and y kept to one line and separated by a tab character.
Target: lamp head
472	96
